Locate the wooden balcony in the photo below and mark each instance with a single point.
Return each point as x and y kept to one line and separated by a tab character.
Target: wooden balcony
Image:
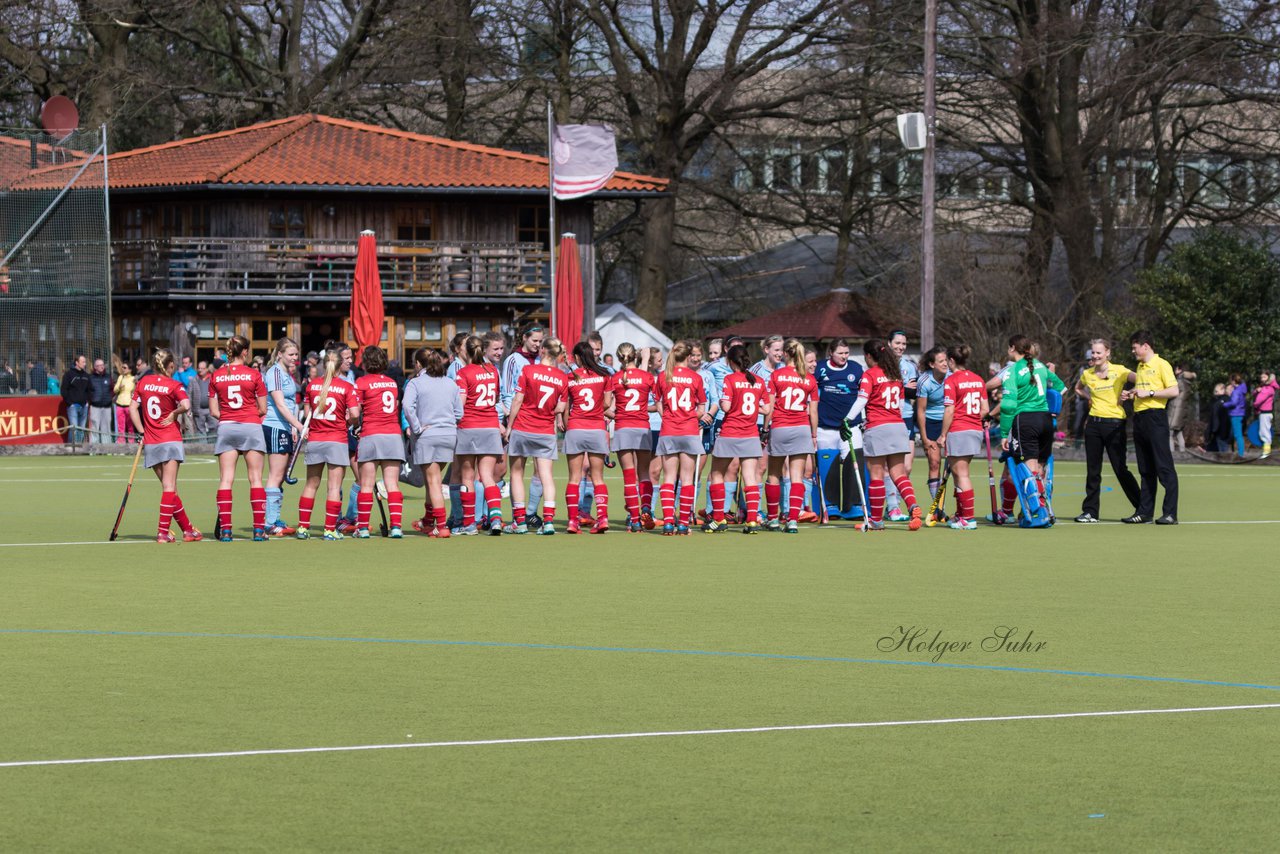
252	266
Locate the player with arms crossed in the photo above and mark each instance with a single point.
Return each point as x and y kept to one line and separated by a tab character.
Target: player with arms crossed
238	400
539	399
333	403
381	443
632	440
964	409
586	437
433	406
793	433
885	441
744	398
158	400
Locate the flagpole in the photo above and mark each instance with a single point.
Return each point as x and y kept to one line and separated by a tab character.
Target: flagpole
551	203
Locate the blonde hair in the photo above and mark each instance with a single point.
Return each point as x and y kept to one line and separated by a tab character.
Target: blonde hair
159	359
795	354
627	355
283	344
552	349
237	346
679	354
332	361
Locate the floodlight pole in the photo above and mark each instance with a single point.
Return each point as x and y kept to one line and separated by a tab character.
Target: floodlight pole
928	182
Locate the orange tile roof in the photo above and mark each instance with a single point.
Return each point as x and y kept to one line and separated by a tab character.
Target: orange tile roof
317	151
15	158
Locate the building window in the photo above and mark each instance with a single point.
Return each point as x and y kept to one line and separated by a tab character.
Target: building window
287	222
185	221
533	225
425	331
413	222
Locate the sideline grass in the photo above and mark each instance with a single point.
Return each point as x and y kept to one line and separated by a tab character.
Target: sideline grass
285	644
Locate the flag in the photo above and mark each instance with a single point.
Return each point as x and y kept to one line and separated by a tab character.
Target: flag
583	159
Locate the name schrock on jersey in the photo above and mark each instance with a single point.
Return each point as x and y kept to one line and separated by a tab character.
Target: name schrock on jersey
237	388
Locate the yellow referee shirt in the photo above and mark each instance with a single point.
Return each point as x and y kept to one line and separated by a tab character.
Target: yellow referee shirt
1153	375
1104	394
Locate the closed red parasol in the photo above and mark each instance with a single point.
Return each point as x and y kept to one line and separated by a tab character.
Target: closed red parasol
568	293
366	296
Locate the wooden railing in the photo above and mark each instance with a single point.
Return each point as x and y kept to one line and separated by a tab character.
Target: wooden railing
222	265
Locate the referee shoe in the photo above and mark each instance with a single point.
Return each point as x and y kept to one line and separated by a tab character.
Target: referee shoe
1167	519
1087	517
1136	519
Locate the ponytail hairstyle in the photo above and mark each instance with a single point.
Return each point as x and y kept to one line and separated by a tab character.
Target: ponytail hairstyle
926	361
373	359
332	362
473	348
960	354
160	360
883	358
283	344
679	355
765	343
1017	342
1027	349
237	347
739	360
795	351
552	349
627	356
432	360
586	358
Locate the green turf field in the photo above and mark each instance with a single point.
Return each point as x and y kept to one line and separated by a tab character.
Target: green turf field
481	649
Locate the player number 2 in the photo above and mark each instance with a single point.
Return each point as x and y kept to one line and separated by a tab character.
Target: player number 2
631	401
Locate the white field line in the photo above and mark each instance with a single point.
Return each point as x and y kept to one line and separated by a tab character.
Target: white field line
489	742
81	543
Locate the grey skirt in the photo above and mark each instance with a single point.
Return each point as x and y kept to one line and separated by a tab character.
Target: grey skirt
381	446
586	442
966	443
632	439
886	439
790	441
154	455
330	453
668	445
539	445
482	441
743	448
434	446
237	436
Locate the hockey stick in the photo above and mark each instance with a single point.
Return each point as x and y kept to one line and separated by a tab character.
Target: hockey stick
822	495
991	473
379	492
938	496
297	446
862	493
137	457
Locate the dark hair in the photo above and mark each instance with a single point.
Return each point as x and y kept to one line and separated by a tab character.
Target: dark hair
832	347
529	330
594	337
236	345
1028	349
882	357
960	354
586	358
926	361
493	336
473	347
456	342
739	360
1142	336
373	359
1017	342
432	360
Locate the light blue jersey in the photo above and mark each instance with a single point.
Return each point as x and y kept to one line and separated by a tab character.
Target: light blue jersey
278	379
909	372
930	390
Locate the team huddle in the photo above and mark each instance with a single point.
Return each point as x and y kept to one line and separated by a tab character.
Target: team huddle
757	424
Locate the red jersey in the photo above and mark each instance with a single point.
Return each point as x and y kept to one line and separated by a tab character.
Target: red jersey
237	389
631	390
157	396
964	390
379	398
884	398
680	397
745	399
543	389
792	396
330	423
586	400
479	385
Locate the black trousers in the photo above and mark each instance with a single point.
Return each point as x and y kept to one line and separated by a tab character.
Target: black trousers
1155	461
1106	434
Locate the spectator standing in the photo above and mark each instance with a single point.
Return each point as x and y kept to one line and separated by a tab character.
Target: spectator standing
8	380
123	390
1154	388
1180	408
186	373
100	403
203	424
1237	407
141	369
37	377
75	391
1264	401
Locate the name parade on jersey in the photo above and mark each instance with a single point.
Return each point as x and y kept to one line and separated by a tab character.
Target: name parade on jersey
778	442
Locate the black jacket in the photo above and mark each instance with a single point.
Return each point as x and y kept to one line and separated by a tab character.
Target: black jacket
76	386
100	391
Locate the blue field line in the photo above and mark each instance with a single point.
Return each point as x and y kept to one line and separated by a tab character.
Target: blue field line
555	647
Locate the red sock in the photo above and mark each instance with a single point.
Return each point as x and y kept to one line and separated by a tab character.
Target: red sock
687	499
395	508
167	502
305	506
875	492
602	501
493	501
364	507
258	504
797	501
224	508
548	509
717	502
773	499
631	494
964	504
646	493
753	502
667	492
906	490
468	507
572	493
517	513
1040	487
440	516
332	509
180	513
1009	495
